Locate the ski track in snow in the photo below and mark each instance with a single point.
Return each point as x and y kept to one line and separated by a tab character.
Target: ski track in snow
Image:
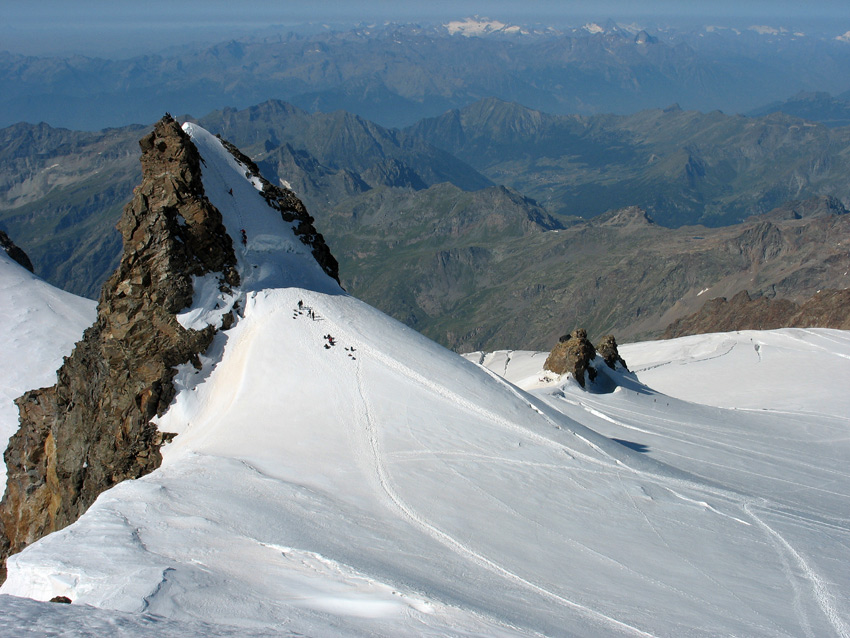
821	592
448	540
408	513
694	566
689	361
714	442
819	347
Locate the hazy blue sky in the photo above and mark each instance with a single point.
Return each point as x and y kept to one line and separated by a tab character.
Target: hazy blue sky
60	11
67	25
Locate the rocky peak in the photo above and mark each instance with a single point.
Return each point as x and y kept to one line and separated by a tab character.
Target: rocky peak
14	252
574	354
644	38
93	428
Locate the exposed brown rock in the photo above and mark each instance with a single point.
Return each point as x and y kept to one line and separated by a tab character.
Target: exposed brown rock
92	429
607	349
826	309
14	251
573	353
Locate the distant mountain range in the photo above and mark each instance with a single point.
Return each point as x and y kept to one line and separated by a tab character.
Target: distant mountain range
423	233
61	194
396	74
492	274
817	106
684	167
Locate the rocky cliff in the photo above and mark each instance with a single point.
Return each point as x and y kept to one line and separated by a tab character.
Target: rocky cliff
93	428
826	309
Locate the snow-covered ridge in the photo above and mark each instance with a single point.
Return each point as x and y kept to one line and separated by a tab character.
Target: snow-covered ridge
476	27
269	254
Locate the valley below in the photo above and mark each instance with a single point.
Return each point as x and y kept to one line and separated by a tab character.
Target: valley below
430	238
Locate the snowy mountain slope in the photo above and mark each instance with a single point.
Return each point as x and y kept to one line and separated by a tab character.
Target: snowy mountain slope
792	369
335	473
40	326
782	443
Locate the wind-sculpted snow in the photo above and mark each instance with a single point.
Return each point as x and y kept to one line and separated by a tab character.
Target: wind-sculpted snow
336	473
40	325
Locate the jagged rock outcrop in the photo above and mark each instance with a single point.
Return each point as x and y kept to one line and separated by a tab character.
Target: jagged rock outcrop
573	353
607	349
826	309
14	251
93	428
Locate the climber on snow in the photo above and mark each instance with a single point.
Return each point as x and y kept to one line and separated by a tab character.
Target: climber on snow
244	237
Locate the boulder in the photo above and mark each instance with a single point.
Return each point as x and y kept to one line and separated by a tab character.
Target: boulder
607	349
573	354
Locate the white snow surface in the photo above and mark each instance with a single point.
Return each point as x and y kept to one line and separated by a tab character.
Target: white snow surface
40	324
473	27
385	486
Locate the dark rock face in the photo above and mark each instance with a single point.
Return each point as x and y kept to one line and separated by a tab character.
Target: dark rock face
573	354
826	309
14	252
607	349
93	428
